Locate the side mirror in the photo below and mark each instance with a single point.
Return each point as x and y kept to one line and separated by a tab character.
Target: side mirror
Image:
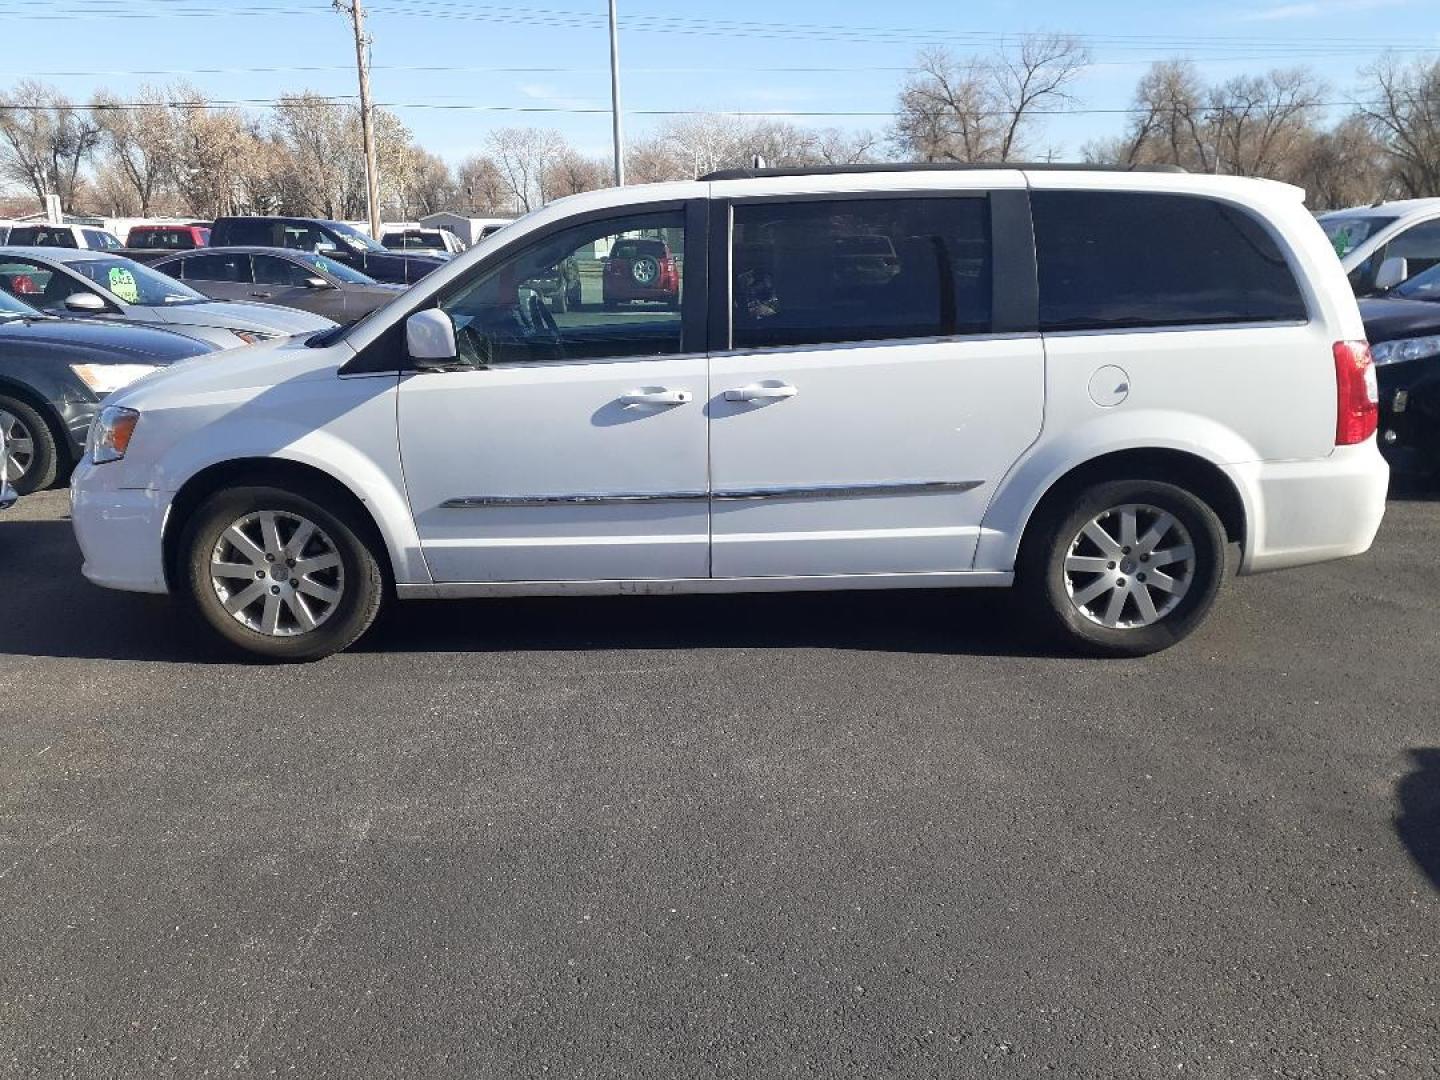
1392	272
430	339
85	303
316	283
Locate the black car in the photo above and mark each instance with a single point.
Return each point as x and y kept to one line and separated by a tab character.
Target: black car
332	238
53	375
1404	331
297	279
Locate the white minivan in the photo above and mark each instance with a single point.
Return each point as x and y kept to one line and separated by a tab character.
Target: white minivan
1097	386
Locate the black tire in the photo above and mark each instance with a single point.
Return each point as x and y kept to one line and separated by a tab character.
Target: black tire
361	597
1047	591
44	465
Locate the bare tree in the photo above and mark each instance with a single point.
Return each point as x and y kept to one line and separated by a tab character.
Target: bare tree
311	131
523	155
222	162
836	147
44	140
482	187
139	142
427	184
981	108
572	172
1343	167
1404	114
1260	124
1168	124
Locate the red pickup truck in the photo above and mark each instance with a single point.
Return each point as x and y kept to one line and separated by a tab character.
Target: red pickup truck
146	243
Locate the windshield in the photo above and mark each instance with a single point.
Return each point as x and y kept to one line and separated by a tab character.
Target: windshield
11	308
1423	286
354	237
136	284
1347	232
335	269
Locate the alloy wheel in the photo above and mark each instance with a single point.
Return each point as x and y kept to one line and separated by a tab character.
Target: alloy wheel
277	573
19	445
1129	566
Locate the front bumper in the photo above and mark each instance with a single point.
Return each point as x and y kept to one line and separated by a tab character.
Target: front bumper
120	531
1303	512
1410	415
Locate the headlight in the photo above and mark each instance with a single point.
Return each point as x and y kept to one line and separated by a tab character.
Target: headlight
110	434
250	337
105	379
1397	352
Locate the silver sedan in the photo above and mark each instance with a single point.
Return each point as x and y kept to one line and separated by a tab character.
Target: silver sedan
97	285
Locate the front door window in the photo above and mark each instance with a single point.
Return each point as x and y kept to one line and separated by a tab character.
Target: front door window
604	290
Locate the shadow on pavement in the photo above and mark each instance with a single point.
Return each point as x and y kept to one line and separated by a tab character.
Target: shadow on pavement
48	609
1418	824
1406	487
975	622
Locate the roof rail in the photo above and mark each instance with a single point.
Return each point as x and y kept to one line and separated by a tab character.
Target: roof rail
933	166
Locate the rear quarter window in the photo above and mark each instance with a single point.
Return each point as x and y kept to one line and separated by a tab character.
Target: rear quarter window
1118	260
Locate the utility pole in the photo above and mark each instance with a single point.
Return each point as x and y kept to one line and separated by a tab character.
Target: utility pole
614	97
367	128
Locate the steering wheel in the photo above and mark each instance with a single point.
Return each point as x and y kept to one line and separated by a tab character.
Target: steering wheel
540	317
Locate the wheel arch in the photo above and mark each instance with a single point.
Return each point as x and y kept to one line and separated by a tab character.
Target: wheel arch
280	472
59	432
1001	541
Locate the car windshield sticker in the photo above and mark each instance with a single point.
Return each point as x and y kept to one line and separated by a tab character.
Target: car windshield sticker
122	284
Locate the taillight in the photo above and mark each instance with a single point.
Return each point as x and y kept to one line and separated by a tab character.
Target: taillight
1357	394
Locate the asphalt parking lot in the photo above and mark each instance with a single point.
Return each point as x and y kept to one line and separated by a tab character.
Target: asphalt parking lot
847	835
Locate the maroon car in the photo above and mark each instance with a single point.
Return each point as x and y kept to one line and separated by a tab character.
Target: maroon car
641	270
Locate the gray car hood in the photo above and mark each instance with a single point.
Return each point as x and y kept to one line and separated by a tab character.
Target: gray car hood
239	315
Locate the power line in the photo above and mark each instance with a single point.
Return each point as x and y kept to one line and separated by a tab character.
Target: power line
344	101
564	18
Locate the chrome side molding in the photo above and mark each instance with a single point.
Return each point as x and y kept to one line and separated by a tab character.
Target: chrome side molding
834	491
848	491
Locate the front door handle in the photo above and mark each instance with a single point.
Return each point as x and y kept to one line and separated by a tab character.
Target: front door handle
761	392
660	396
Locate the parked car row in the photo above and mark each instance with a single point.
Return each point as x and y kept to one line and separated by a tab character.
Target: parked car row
1391	252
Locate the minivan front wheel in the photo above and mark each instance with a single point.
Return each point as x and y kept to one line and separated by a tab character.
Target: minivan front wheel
280	574
1126	568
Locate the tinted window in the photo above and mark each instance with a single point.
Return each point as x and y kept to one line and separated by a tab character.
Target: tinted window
860	270
41	236
272	271
242	231
161	239
217	267
98	240
1418	246
1122	259
570	296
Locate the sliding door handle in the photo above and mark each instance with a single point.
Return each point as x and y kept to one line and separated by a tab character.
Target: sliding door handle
659	396
761	392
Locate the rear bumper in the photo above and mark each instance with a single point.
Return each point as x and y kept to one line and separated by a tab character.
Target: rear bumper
1305	512
120	533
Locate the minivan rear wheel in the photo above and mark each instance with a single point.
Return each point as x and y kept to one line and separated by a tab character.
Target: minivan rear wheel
280	573
1126	568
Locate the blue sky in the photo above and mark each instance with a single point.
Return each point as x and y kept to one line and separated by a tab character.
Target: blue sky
741	55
